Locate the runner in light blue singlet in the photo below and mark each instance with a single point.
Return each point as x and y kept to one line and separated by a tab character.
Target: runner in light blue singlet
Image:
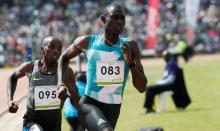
109	59
104	63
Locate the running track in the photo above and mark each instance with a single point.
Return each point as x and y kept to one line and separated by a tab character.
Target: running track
13	122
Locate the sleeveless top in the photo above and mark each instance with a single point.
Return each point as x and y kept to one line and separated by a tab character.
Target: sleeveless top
107	70
42	91
43	104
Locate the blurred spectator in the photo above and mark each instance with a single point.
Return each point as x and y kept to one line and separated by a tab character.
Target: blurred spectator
2	56
71	18
172	81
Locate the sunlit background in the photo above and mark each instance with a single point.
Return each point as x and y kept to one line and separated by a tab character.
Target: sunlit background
155	24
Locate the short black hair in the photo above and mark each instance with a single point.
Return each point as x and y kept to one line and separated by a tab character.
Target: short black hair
112	7
47	40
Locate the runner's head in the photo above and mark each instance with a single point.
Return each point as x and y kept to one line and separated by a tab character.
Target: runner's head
51	48
113	19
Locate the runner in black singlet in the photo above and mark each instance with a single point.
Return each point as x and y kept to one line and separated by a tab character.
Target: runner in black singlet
44	98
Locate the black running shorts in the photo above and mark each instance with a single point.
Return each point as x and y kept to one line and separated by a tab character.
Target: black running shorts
96	116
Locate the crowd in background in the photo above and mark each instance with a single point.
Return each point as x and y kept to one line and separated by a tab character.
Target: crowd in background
173	25
23	24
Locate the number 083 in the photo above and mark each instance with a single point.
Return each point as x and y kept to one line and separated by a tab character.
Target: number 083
110	70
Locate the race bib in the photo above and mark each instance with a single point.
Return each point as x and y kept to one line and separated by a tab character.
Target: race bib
109	73
46	98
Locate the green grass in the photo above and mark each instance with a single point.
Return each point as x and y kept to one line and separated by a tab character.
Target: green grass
203	114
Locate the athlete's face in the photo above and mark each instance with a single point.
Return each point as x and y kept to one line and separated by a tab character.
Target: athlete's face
52	51
115	21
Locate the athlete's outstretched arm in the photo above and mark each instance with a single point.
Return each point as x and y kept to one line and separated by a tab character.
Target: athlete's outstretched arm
21	71
133	58
71	87
78	46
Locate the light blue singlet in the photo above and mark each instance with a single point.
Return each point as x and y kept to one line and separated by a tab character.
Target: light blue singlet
107	71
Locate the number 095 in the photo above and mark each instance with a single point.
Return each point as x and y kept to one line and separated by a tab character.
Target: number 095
47	94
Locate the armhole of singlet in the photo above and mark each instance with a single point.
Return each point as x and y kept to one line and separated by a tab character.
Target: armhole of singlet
91	39
35	69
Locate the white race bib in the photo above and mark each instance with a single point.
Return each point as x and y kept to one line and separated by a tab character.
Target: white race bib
109	73
46	97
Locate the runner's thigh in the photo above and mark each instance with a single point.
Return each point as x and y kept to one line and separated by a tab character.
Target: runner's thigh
92	117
